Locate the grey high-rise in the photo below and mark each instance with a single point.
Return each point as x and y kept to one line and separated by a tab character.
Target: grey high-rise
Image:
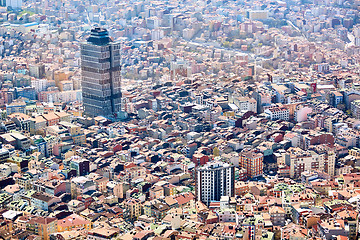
101	83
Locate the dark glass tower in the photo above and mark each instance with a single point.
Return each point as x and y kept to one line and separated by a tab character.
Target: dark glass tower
101	83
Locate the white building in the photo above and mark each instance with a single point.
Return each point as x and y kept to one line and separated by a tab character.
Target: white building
39	84
228	215
157	34
214	180
245	104
319	158
14	3
258	14
277	113
355	109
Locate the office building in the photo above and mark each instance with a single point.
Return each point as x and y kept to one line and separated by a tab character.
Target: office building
214	180
100	65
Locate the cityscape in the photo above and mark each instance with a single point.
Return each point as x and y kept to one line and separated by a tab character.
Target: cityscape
172	120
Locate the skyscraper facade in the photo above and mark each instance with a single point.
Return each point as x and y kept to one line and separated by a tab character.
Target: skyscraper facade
214	180
100	65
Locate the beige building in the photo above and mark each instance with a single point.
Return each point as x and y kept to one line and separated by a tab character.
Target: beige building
117	189
156	192
101	183
245	104
71	222
133	207
277	216
317	158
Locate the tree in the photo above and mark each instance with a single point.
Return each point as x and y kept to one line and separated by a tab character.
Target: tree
226	44
348	112
248	78
341	106
277	235
216	152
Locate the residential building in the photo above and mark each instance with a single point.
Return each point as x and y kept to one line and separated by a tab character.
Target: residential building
44	226
252	162
277	113
133	207
214	180
73	221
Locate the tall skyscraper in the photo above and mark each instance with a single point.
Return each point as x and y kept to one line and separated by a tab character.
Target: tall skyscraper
100	65
213	180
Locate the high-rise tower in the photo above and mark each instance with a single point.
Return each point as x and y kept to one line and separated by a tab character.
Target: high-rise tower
100	65
214	180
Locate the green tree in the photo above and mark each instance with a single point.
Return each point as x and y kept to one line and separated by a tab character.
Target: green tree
226	44
341	106
277	235
216	152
